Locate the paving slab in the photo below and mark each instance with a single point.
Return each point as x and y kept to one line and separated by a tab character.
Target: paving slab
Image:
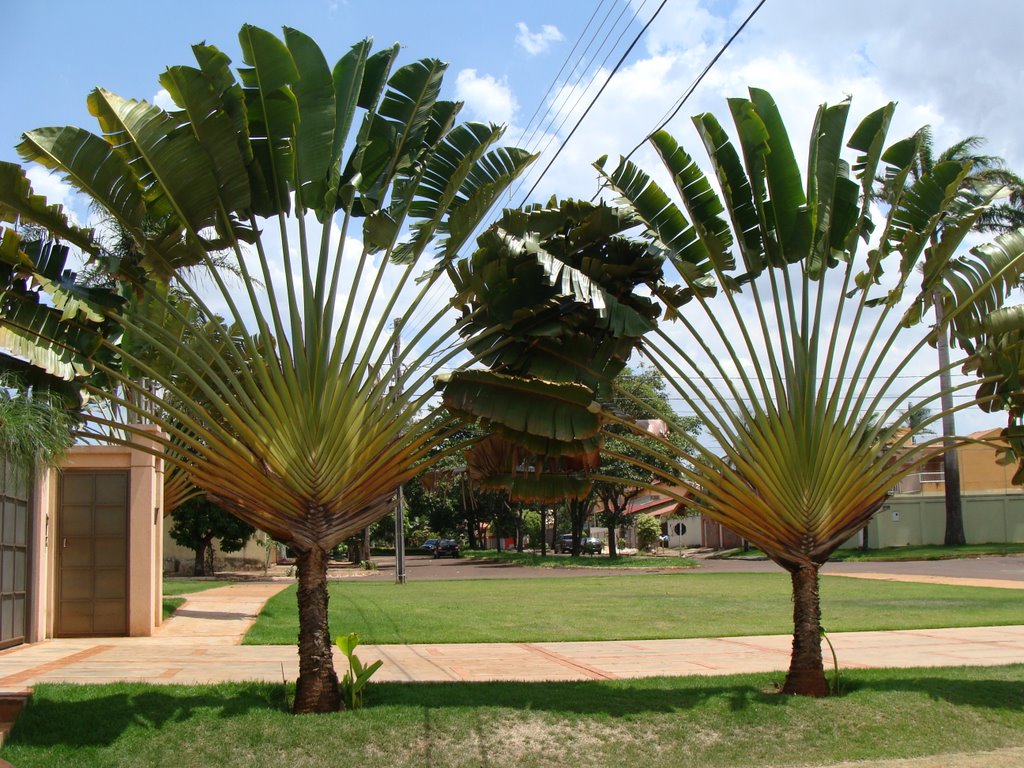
202	644
953	581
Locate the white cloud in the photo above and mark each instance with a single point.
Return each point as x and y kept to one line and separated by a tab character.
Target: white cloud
56	190
486	97
537	42
805	55
163	100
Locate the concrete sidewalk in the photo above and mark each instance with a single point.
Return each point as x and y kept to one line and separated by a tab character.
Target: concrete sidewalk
202	644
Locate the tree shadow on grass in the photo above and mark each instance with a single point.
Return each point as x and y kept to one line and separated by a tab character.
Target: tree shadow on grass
92	716
1001	689
994	690
611	698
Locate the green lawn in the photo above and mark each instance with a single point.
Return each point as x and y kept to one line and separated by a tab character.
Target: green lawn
170	605
710	722
625	607
174	587
584	561
925	552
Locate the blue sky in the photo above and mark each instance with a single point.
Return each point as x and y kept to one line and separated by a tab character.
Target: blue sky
123	46
948	65
960	77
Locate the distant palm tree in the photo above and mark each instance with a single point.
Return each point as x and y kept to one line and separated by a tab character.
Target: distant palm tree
986	171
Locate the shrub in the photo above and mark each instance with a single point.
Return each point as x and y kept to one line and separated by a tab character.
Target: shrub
647	531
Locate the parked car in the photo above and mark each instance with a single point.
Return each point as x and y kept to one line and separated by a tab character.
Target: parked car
447	548
429	544
591	546
588	544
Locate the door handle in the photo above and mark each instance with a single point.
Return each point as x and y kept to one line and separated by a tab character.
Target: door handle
65	545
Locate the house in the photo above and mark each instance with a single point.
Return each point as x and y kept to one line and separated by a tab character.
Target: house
81	547
993	508
668	511
915	513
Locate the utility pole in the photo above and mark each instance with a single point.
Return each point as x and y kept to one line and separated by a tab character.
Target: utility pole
399	501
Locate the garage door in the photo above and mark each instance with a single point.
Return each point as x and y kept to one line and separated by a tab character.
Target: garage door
92	562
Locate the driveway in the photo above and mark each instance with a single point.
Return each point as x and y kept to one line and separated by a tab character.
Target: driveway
426	568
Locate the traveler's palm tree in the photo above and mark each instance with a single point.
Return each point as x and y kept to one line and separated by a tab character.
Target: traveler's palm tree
341	194
795	350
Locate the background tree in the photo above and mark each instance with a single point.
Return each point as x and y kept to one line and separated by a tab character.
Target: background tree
198	522
533	524
577	510
638	395
788	345
549	305
299	431
986	171
35	428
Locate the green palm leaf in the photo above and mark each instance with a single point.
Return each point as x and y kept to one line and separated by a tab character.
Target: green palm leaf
213	128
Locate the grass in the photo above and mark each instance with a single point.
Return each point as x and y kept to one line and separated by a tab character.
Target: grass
713	722
174	587
923	552
628	607
584	561
170	605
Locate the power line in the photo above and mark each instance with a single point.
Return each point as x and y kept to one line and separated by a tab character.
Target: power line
590	106
582	91
693	86
569	88
554	81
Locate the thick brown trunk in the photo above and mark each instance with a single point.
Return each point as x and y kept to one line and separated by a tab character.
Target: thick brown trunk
317	687
806	675
199	569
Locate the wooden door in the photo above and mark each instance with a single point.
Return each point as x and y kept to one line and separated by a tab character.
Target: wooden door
92	561
15	530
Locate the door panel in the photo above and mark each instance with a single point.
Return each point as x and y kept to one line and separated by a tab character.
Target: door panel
93	554
15	536
112	491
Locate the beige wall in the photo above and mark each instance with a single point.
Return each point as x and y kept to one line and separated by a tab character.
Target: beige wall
41	566
145	542
979	472
915	520
181	560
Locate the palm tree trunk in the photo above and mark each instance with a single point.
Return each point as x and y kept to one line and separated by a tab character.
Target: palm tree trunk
317	687
806	675
950	460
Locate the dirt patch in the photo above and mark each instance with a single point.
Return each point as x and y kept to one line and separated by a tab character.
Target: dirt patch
1012	757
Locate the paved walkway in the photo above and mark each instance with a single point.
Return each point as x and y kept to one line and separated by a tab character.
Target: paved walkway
202	644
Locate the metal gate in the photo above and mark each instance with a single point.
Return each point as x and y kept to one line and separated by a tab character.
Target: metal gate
15	535
92	563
